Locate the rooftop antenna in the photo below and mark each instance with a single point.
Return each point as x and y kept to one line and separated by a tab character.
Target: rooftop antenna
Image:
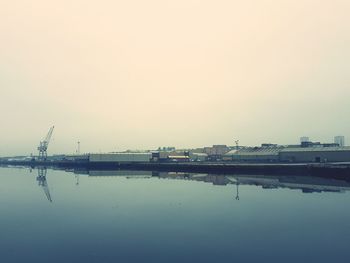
236	142
78	149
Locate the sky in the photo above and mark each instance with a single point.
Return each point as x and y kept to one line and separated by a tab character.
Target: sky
137	74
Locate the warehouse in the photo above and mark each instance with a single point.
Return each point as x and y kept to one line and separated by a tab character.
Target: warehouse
172	156
290	154
265	153
198	157
119	157
315	154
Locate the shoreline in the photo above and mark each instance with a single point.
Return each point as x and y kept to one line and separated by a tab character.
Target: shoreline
328	170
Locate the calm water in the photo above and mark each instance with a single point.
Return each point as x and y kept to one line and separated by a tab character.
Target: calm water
151	217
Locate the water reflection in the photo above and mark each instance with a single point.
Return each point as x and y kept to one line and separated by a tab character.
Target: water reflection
306	184
77	179
105	216
42	181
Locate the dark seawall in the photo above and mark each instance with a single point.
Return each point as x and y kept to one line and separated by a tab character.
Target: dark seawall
338	170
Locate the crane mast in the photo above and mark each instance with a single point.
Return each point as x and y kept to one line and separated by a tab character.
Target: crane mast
43	145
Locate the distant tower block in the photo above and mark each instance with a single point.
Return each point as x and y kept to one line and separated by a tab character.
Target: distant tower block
304	139
339	140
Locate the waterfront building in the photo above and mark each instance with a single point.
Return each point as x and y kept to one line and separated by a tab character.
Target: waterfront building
172	156
216	152
120	157
198	157
264	153
307	152
315	154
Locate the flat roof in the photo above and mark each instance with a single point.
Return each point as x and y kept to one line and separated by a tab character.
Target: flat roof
257	151
317	149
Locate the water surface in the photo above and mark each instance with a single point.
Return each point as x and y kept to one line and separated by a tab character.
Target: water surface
125	216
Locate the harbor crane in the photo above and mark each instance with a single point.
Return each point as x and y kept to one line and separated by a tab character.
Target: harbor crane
44	144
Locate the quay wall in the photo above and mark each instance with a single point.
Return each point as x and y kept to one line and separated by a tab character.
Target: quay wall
341	171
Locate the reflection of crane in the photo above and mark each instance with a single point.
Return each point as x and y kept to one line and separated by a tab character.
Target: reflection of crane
44	144
43	183
77	177
237	193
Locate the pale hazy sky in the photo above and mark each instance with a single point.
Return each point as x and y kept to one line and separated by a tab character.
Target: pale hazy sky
142	74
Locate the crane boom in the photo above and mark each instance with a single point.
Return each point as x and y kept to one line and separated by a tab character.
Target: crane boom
49	134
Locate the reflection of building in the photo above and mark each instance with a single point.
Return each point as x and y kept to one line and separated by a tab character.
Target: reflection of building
208	178
109	173
305	183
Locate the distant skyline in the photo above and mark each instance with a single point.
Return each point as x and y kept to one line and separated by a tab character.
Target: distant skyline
119	75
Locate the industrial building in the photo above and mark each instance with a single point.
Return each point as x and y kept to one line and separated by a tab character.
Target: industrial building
216	152
120	157
315	154
307	152
124	157
198	157
170	156
265	153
